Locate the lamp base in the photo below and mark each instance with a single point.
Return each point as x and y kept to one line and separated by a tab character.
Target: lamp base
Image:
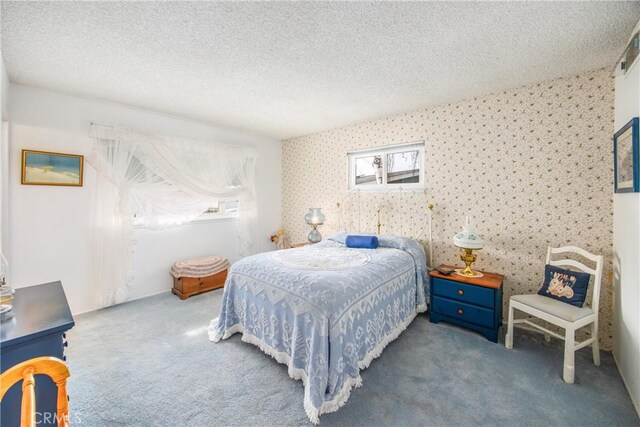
469	258
473	275
314	235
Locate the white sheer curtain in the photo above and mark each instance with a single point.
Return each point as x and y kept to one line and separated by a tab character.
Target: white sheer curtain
164	181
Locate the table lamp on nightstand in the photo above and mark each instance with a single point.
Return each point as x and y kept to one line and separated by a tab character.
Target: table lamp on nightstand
314	218
468	240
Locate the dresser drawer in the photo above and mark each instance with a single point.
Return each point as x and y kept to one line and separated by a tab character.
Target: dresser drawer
467	312
476	295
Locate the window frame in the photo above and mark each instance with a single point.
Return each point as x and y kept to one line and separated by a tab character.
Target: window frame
222	213
384	151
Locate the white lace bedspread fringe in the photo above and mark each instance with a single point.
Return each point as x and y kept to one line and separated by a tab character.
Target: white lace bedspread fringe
299	374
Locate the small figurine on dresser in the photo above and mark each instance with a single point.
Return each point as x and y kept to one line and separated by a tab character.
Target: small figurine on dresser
280	239
6	291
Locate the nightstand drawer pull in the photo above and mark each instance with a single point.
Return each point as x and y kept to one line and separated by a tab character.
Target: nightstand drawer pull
460	311
460	292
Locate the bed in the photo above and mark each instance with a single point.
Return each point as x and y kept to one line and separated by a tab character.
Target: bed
326	310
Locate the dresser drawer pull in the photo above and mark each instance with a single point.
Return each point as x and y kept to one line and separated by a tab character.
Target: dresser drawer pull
460	311
460	292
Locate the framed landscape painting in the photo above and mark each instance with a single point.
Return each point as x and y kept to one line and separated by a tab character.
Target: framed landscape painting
45	168
626	158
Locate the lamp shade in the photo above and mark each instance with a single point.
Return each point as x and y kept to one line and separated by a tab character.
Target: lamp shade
314	216
468	238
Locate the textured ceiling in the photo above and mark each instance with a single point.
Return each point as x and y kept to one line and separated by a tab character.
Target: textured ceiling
292	68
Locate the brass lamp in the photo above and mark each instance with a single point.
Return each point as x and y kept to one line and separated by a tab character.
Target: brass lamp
468	240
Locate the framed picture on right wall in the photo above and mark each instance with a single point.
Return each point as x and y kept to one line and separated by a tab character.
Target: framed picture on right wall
626	158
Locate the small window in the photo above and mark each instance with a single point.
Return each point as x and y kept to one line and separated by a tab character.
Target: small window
220	210
392	167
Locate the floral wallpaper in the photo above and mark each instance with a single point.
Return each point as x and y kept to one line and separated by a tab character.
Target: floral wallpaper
531	166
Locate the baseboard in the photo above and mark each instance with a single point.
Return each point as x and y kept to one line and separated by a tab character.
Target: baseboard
636	404
123	302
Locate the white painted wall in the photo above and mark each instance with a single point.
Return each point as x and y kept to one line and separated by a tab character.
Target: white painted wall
49	227
4	88
626	249
4	101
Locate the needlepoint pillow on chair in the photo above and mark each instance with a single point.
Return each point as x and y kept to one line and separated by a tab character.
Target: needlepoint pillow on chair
565	285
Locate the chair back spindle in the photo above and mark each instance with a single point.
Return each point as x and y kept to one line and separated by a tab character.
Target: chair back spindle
56	369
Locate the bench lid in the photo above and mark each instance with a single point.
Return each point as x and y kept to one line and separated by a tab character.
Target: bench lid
200	267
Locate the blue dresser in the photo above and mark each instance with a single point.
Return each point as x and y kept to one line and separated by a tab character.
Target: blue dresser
473	303
35	327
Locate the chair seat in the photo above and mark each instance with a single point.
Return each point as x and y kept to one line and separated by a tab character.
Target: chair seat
562	310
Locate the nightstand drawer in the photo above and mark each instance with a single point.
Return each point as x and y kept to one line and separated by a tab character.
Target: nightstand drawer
466	312
476	295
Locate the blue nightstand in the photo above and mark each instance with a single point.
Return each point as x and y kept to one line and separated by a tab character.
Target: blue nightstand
473	303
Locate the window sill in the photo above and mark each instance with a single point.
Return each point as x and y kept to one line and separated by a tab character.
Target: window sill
202	219
383	189
214	218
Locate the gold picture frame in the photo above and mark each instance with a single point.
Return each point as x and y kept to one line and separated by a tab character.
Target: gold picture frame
49	168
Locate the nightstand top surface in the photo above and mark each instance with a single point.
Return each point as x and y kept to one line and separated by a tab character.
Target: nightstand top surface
489	280
299	245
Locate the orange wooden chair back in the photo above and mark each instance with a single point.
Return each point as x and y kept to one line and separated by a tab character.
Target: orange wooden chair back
25	371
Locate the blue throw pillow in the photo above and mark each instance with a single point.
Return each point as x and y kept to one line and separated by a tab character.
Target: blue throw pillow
363	242
565	285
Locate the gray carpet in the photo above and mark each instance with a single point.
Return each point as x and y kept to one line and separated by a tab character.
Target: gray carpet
149	363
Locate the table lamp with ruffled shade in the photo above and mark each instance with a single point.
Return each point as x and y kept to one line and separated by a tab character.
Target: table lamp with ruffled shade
468	240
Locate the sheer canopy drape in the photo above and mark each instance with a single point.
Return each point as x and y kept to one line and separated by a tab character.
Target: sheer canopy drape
163	181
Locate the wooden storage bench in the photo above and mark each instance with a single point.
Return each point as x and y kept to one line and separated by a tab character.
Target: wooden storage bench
194	276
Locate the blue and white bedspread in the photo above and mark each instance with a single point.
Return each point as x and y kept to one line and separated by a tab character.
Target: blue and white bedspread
326	311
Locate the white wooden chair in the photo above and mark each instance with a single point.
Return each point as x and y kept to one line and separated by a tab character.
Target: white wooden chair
567	316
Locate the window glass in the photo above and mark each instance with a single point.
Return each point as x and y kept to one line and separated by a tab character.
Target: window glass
403	167
366	168
217	210
231	206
